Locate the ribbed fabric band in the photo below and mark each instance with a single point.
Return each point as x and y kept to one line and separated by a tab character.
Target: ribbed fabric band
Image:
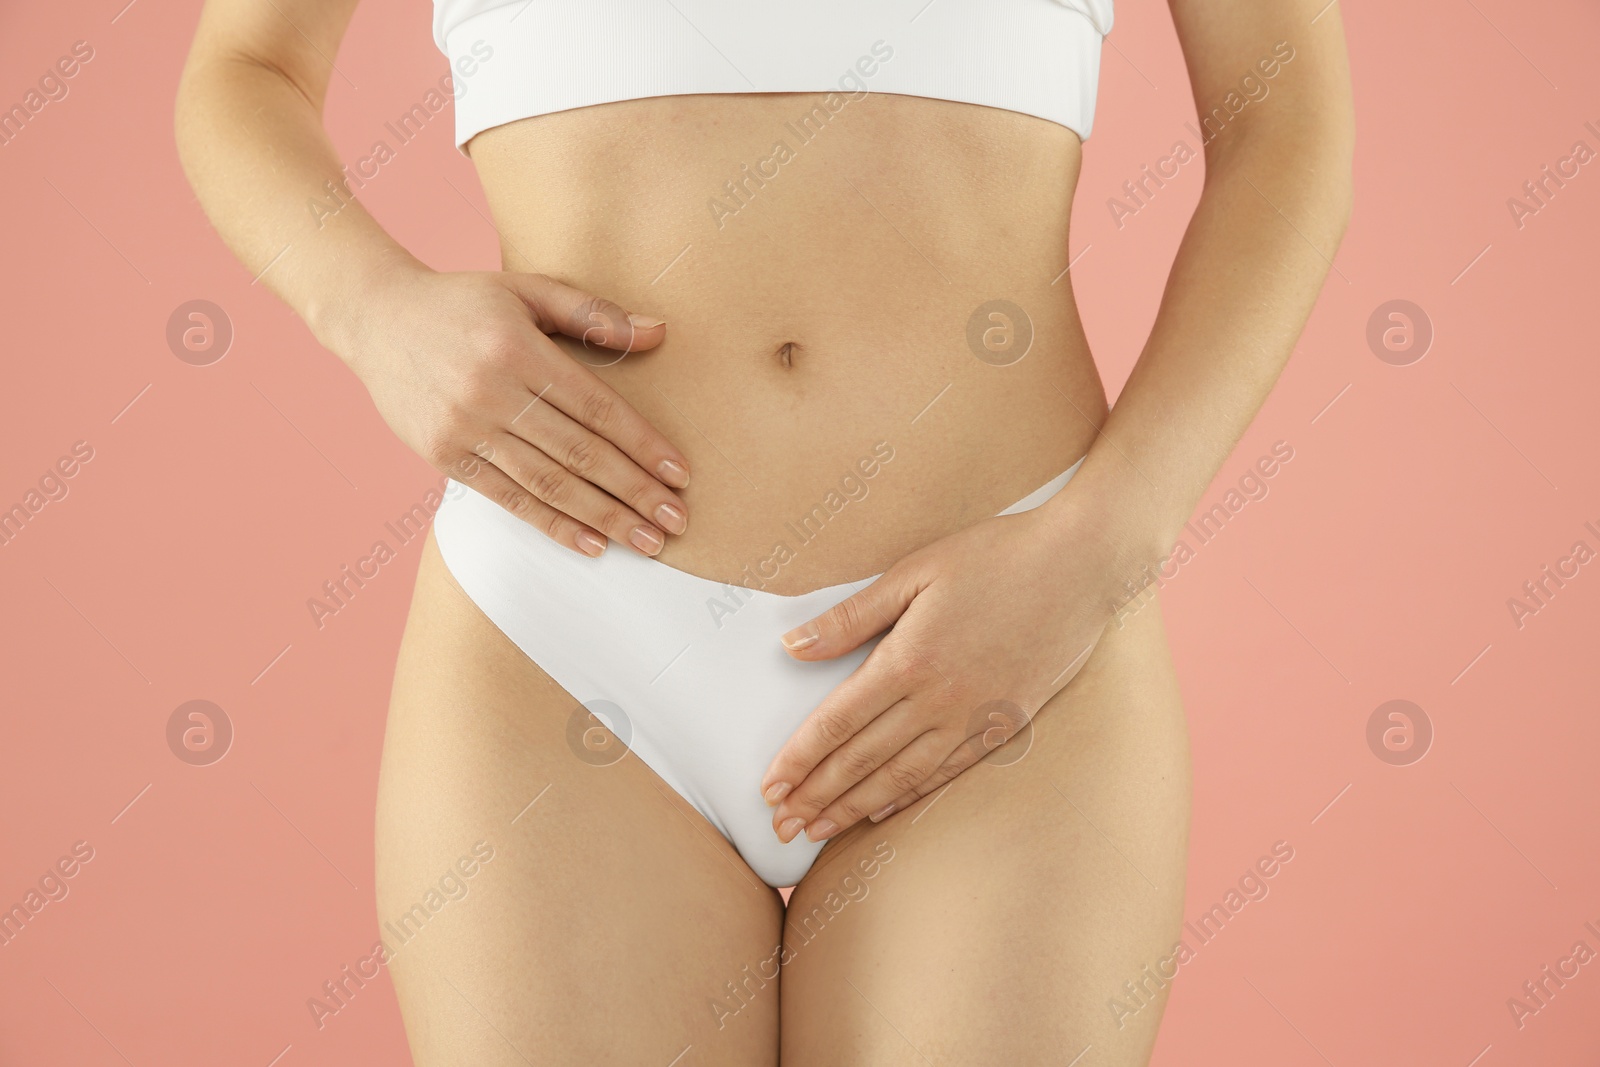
534	57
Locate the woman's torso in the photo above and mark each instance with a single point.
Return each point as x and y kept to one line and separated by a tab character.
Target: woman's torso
831	308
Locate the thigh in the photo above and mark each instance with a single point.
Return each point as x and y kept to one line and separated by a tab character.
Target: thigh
998	921
538	902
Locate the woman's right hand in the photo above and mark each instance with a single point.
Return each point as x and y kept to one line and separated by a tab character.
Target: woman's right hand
460	367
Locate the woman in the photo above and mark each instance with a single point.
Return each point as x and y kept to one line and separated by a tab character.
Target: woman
785	307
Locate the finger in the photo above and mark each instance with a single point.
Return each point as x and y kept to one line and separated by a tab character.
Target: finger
991	724
877	797
557	487
575	390
594	320
599	462
966	756
871	688
872	746
484	477
858	618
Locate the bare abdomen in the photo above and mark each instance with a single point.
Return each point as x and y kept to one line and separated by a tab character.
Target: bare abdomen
870	343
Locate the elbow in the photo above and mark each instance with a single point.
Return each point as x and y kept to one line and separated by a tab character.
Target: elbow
1305	159
182	123
1329	180
195	97
1326	187
181	106
1337	136
1327	141
1339	184
1345	205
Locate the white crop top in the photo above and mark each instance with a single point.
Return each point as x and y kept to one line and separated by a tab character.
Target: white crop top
512	59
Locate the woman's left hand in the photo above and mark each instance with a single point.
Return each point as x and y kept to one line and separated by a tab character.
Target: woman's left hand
988	624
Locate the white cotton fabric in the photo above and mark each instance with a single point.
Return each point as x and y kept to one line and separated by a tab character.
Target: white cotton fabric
513	59
706	697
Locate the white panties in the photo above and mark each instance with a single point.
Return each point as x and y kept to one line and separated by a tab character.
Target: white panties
688	673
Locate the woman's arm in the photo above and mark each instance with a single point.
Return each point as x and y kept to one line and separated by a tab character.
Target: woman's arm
1276	202
459	365
251	140
1007	611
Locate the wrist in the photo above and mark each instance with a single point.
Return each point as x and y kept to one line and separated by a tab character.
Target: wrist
340	315
1116	516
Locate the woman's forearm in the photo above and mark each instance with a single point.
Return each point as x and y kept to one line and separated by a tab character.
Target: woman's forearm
452	360
254	148
1244	281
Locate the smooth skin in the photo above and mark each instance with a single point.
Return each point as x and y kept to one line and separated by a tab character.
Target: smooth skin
1242	285
995	913
613	918
460	364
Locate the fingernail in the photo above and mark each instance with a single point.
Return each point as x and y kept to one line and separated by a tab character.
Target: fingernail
821	829
646	540
883	812
673	473
802	637
790	827
672	518
776	792
645	322
590	544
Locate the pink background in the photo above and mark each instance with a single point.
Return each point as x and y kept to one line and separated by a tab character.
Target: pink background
1379	567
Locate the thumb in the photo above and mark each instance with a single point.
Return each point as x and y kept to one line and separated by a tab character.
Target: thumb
855	620
594	320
